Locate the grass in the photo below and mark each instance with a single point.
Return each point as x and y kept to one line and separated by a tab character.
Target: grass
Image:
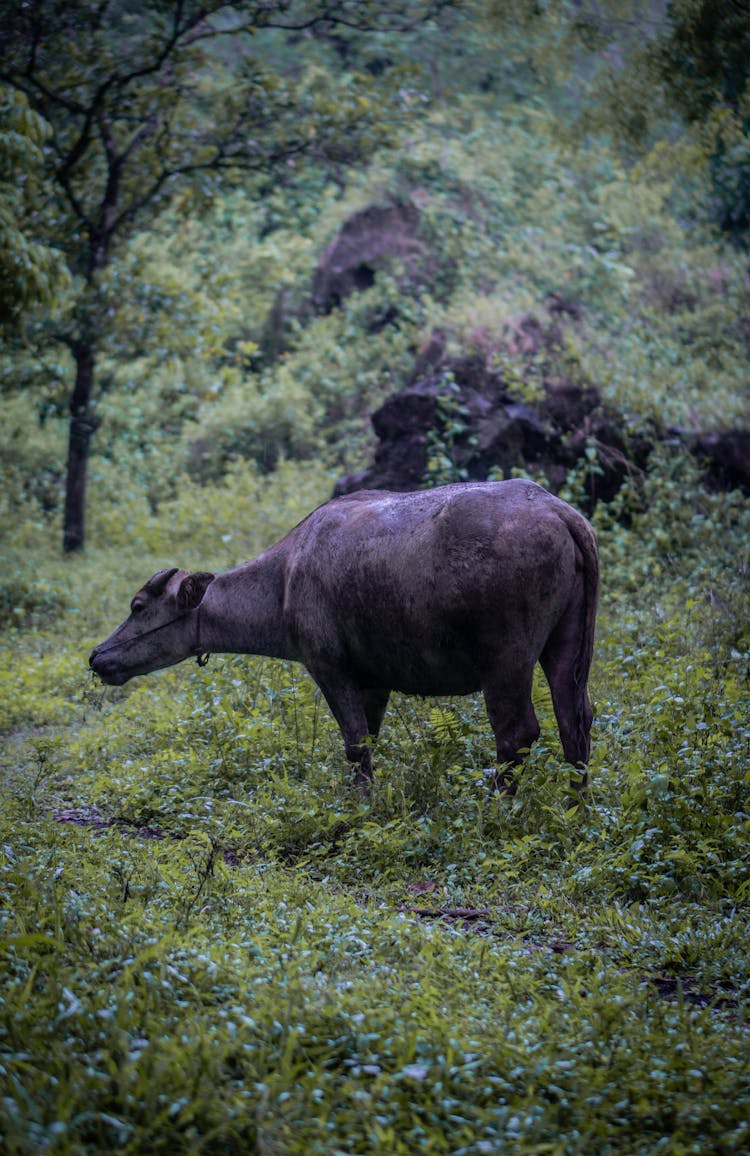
211	943
208	941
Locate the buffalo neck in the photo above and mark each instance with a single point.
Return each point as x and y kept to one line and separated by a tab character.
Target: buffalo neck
242	610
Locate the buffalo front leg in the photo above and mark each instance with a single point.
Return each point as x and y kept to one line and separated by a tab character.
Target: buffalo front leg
375	701
359	714
514	724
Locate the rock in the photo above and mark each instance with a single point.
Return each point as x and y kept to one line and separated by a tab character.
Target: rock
513	436
430	356
524	335
568	403
461	404
413	410
727	457
367	242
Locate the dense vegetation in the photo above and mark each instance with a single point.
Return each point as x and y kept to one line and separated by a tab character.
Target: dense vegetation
209	942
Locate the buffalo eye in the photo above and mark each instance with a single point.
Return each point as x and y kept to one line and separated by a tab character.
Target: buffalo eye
136	607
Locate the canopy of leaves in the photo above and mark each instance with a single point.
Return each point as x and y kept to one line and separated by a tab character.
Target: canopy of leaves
31	272
145	102
142	99
705	56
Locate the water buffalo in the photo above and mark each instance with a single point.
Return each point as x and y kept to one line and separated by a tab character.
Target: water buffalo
437	592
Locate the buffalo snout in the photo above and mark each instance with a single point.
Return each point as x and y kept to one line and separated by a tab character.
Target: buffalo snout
106	668
95	659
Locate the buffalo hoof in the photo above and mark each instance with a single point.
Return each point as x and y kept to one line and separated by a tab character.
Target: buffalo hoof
503	780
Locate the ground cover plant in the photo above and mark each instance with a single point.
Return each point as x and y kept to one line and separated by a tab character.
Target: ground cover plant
209	940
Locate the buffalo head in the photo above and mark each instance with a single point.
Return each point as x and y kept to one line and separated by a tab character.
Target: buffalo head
163	628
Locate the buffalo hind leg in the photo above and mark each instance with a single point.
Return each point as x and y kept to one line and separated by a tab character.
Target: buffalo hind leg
560	661
513	721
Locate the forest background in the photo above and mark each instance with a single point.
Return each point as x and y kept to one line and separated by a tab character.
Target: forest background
209	941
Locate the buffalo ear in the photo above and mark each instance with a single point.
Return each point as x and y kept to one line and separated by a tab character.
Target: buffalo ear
192	588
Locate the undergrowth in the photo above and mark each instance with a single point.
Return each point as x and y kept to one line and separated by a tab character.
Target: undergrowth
211	942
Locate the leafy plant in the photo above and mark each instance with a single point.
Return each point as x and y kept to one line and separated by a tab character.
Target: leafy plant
208	940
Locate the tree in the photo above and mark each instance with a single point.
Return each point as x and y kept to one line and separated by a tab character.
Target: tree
143	99
642	61
31	273
703	60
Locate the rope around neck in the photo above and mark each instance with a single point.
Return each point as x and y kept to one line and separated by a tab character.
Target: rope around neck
201	656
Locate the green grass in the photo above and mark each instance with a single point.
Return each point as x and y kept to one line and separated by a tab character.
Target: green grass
211	943
208	941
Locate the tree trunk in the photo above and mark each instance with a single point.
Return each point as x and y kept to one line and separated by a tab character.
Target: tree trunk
82	425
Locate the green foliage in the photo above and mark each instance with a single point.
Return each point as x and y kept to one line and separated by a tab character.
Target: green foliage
208	939
730	169
442	441
121	98
705	55
31	272
690	57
